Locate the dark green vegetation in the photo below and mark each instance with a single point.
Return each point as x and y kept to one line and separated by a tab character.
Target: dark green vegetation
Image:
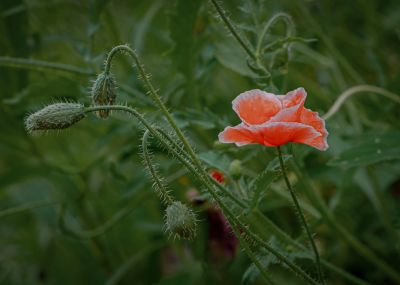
77	206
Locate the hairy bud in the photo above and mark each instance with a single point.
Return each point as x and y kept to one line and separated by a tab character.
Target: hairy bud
180	221
104	92
55	116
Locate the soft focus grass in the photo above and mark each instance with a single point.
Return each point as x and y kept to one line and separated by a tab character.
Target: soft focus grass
94	168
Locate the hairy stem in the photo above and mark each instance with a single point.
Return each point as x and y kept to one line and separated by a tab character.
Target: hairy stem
301	215
159	185
231	27
156	98
233	220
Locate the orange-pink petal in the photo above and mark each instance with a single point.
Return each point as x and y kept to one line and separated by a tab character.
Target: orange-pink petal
240	135
280	133
312	119
294	97
256	106
293	103
273	134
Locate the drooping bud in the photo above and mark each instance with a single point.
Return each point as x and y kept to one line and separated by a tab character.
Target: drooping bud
104	92
235	169
55	117
180	221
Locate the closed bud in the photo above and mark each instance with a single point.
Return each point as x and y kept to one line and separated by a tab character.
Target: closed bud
180	221
235	169
104	92
55	117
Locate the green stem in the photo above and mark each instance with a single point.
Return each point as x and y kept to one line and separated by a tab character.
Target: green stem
301	215
296	269
264	224
290	28
156	98
336	226
249	50
252	256
40	65
185	159
159	186
234	221
359	89
231	27
181	155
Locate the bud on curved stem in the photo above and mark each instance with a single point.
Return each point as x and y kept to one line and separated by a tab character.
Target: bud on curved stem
159	186
180	221
55	117
104	92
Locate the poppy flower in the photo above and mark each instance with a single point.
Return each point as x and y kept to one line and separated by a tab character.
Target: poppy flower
218	176
274	120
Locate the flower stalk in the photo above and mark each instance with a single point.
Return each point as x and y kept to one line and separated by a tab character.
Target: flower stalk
301	215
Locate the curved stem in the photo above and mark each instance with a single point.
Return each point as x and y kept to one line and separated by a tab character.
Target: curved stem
357	89
159	185
301	215
184	157
290	28
235	222
232	29
156	98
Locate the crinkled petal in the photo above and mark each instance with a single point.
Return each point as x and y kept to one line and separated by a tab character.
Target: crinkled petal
280	133
312	119
240	135
293	103
294	97
256	106
273	134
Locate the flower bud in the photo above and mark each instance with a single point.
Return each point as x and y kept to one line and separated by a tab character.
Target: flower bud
55	117
180	221
235	169
104	92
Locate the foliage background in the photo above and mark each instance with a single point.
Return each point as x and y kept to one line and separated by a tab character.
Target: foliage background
95	170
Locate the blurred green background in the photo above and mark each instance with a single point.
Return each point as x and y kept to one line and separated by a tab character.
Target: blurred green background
89	179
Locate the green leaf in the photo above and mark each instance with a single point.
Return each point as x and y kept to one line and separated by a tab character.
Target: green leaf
216	160
231	56
252	273
204	119
274	164
260	185
182	31
369	149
